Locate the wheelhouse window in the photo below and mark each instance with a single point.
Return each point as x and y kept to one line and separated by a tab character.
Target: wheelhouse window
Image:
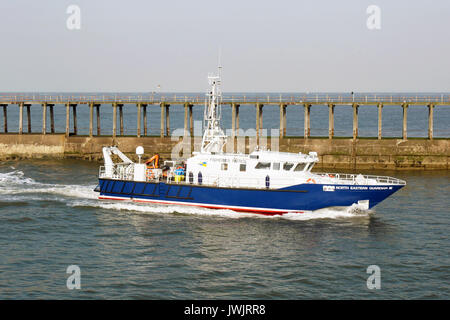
263	165
242	167
300	166
224	166
287	166
276	166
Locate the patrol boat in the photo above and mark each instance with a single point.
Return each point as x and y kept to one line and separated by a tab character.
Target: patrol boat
264	182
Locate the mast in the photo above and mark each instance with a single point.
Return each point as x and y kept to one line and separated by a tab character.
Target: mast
213	138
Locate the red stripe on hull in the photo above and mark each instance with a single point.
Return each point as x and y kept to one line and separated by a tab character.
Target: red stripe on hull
257	211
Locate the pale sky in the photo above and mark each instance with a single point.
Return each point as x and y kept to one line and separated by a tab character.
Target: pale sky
267	46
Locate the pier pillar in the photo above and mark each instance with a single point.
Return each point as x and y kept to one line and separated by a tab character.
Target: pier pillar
162	127
5	118
430	121
187	110
74	112
97	109
138	120
380	122
167	120
191	121
21	118
331	120
29	117
114	119
233	121
52	118
144	109
67	119
283	119
259	121
307	108
121	118
405	121
91	119
355	121
44	118
237	119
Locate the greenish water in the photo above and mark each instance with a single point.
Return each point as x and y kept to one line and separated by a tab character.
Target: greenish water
50	218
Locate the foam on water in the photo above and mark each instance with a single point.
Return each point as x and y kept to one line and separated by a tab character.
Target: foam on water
149	208
15	185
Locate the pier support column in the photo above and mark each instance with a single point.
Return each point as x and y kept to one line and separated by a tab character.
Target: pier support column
144	109
380	121
74	113
331	120
29	117
259	121
91	119
283	119
167	120
186	116
44	118
307	108
52	118
355	121
405	121
138	120
430	121
233	121
67	119
121	118
191	120
97	109
162	127
114	119
20	118
5	118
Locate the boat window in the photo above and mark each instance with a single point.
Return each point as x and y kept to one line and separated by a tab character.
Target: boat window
191	177
224	166
300	166
276	166
242	167
263	165
287	166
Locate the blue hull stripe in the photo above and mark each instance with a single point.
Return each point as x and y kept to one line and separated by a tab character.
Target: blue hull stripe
302	197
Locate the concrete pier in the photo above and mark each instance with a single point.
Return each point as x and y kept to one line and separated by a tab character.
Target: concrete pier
434	155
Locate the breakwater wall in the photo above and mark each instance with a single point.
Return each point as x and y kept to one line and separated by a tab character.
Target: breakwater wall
343	153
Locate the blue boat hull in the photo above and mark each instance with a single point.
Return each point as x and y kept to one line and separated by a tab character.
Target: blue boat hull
298	198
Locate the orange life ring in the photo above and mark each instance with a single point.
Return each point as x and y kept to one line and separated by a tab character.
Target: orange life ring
310	180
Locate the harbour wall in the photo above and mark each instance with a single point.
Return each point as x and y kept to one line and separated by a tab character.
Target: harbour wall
341	153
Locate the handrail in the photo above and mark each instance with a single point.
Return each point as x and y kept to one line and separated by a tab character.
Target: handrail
261	98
